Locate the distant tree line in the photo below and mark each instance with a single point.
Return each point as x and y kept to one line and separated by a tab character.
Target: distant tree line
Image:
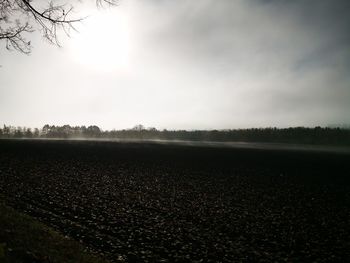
303	135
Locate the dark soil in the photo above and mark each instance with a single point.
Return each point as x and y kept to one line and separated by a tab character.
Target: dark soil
25	240
144	202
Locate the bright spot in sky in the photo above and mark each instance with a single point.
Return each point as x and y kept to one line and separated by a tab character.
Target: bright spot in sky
103	42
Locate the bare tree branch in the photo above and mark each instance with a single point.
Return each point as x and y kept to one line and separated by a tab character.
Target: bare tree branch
20	17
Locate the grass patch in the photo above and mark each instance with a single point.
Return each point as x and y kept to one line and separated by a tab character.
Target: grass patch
23	239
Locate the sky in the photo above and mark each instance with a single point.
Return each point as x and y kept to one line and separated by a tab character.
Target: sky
186	64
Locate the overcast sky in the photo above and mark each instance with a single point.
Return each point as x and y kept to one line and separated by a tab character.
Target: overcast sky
184	64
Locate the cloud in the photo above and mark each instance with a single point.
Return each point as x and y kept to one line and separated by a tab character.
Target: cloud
201	64
289	57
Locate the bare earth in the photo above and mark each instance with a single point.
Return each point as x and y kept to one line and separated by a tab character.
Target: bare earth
149	202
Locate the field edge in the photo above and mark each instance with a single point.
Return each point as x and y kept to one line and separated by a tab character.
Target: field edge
24	239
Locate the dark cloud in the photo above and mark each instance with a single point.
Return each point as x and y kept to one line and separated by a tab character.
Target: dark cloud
225	29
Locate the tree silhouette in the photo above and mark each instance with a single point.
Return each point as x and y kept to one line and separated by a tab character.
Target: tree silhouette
299	135
20	17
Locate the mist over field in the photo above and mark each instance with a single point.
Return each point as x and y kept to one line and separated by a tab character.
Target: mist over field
290	138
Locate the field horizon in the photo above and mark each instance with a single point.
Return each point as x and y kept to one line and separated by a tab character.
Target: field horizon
294	135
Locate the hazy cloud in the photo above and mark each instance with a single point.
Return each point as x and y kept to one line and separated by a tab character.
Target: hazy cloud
198	64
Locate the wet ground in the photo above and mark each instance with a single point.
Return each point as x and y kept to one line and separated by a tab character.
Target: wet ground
148	202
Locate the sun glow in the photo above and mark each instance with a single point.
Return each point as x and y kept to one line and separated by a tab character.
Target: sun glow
103	42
